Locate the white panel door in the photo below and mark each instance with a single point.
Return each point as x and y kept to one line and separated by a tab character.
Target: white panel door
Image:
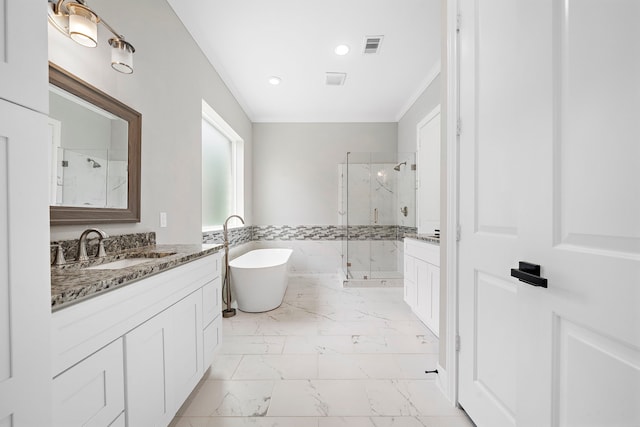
23	53
429	173
25	303
489	150
550	174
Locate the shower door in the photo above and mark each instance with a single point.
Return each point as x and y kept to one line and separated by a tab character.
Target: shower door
379	201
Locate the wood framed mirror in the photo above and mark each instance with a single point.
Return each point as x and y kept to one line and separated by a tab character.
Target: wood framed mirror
96	154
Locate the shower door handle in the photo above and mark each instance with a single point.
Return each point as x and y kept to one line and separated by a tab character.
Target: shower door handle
375	215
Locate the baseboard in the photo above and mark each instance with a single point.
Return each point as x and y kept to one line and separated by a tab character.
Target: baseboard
442	381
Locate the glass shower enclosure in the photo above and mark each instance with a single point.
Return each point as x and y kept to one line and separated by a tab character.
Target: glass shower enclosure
377	207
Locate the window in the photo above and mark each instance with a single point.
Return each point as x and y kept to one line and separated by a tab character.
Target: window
222	170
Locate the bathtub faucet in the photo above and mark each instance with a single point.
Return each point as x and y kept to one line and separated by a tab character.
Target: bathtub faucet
224	228
226	287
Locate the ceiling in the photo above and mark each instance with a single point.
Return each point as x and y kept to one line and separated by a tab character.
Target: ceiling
249	41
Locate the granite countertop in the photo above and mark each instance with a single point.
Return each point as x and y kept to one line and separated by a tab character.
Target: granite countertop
72	282
431	238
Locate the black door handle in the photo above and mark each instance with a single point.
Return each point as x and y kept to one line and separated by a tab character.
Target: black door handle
529	273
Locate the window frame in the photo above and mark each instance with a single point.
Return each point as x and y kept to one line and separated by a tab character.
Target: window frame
237	163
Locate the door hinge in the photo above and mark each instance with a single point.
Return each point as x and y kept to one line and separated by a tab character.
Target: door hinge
458	127
458	232
457	342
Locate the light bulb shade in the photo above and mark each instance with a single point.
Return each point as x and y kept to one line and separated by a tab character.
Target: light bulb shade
121	55
83	25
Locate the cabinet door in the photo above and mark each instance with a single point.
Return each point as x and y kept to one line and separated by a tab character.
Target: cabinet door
23	54
25	290
410	281
183	349
212	335
164	362
145	378
211	301
435	300
92	392
428	294
423	291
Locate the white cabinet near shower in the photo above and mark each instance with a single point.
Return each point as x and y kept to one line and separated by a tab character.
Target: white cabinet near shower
422	281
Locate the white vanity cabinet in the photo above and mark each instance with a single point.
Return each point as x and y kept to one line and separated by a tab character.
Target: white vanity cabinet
150	334
164	362
422	281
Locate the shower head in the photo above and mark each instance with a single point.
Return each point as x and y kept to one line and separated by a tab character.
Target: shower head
95	164
397	167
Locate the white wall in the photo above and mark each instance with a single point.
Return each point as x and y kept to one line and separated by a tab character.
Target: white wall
171	77
295	167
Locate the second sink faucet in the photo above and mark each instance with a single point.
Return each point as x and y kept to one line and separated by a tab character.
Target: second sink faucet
82	244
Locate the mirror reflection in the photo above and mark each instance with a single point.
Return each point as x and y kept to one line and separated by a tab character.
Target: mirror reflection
95	147
89	149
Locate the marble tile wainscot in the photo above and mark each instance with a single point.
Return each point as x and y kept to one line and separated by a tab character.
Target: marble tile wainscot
247	234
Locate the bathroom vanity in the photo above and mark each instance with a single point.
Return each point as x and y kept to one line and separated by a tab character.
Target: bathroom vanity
422	279
129	344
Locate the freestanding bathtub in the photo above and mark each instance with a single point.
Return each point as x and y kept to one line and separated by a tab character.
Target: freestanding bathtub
259	279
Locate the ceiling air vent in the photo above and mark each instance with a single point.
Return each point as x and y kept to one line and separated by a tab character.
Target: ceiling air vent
335	79
372	44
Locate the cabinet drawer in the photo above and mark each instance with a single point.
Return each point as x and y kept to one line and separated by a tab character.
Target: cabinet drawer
422	250
91	393
212	338
211	301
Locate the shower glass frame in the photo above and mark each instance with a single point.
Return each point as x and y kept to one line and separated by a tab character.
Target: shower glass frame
373	196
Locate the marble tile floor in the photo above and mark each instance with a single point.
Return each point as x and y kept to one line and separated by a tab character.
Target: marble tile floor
327	357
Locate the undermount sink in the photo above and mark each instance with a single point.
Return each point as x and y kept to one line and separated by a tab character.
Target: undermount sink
131	259
121	263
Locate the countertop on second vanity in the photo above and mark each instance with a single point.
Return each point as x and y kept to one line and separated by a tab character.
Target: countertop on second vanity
430	238
72	282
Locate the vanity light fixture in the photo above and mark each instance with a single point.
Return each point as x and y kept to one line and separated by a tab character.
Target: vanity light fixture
78	21
83	25
274	80
121	55
341	50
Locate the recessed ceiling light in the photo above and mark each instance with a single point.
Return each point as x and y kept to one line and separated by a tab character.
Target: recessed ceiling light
342	49
275	80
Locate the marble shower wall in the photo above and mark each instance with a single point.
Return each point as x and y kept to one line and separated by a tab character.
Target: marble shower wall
370	187
370	196
89	179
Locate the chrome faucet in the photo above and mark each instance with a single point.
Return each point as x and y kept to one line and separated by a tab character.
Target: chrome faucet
82	244
228	312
